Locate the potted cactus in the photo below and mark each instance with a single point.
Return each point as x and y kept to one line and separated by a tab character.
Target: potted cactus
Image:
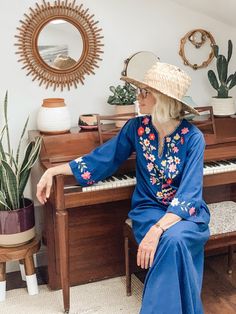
17	225
223	104
123	98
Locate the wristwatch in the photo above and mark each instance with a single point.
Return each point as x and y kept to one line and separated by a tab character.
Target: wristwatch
158	225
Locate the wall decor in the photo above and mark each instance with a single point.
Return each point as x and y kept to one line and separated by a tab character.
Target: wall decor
59	43
197	37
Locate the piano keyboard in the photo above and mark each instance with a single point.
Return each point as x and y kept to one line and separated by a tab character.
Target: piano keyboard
112	182
219	166
210	168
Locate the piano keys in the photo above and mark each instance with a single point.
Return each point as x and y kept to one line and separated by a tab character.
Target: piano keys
129	179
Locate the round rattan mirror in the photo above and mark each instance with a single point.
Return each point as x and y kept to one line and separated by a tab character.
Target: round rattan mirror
59	43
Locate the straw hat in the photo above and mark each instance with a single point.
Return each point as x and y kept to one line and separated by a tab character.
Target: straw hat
168	80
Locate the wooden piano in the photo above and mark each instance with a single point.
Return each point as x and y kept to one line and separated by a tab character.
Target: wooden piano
83	228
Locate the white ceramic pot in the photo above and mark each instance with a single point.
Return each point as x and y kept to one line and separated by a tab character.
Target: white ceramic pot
120	109
223	106
53	117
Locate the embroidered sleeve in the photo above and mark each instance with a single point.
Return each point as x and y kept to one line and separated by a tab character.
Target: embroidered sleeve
105	159
188	198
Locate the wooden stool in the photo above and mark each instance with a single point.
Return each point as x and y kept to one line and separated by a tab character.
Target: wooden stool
24	254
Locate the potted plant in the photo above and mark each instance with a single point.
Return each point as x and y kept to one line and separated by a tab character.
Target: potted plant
17	224
123	98
223	104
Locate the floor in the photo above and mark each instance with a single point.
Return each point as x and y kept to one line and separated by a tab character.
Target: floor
218	293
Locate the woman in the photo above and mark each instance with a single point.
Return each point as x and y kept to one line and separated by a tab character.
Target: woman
170	218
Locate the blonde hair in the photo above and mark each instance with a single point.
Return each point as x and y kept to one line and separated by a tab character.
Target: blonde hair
166	108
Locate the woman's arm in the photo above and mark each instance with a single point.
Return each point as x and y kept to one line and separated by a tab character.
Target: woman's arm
168	220
45	183
94	166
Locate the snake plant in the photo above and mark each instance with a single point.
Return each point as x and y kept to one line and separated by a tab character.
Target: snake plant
15	171
224	82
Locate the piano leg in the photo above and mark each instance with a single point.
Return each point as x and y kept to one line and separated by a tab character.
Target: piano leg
62	229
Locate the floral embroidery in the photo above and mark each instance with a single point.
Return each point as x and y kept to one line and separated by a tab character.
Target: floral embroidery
85	174
162	175
146	120
175	149
140	131
183	206
151	136
184	131
150	166
147	130
172	167
167	193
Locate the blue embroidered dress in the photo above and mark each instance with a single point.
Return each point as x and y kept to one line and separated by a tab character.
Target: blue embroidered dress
168	181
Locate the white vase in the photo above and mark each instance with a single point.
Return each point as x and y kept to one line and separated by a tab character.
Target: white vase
53	117
223	106
121	109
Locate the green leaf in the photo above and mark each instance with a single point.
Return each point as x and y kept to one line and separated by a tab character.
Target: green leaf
6	122
3	201
222	68
29	162
233	81
215	50
213	80
2	152
26	155
20	141
229	78
230	49
12	185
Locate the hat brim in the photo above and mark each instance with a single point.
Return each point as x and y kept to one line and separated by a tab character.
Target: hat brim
141	84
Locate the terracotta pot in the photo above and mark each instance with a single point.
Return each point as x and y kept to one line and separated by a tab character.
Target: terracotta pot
17	226
53	117
124	109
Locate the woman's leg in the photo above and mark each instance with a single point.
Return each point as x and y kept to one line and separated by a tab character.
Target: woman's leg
173	283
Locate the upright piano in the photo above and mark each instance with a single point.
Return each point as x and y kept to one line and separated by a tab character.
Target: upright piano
83	226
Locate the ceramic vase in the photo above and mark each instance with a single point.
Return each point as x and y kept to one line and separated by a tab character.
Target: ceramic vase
53	117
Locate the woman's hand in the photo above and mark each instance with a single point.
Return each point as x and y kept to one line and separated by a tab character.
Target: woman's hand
45	183
44	186
148	246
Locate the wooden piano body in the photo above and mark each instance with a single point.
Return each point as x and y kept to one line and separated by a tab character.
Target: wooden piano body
93	221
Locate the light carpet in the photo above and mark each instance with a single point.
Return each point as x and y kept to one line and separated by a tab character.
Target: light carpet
102	297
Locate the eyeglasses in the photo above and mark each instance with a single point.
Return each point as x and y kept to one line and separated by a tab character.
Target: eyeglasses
142	92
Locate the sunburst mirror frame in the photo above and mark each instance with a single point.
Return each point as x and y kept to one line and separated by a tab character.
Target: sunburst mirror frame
197	44
30	29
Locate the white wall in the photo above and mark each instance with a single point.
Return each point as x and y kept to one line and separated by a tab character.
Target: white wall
128	26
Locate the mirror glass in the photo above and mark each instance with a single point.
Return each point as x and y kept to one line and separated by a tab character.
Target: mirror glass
138	64
60	44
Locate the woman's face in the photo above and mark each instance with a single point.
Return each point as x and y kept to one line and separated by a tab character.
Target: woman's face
146	100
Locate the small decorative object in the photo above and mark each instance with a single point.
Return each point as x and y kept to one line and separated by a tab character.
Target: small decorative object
17	225
88	121
42	29
223	104
53	117
192	38
124	98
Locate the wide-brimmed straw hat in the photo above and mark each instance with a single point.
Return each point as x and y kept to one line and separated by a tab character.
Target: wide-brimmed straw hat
167	79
